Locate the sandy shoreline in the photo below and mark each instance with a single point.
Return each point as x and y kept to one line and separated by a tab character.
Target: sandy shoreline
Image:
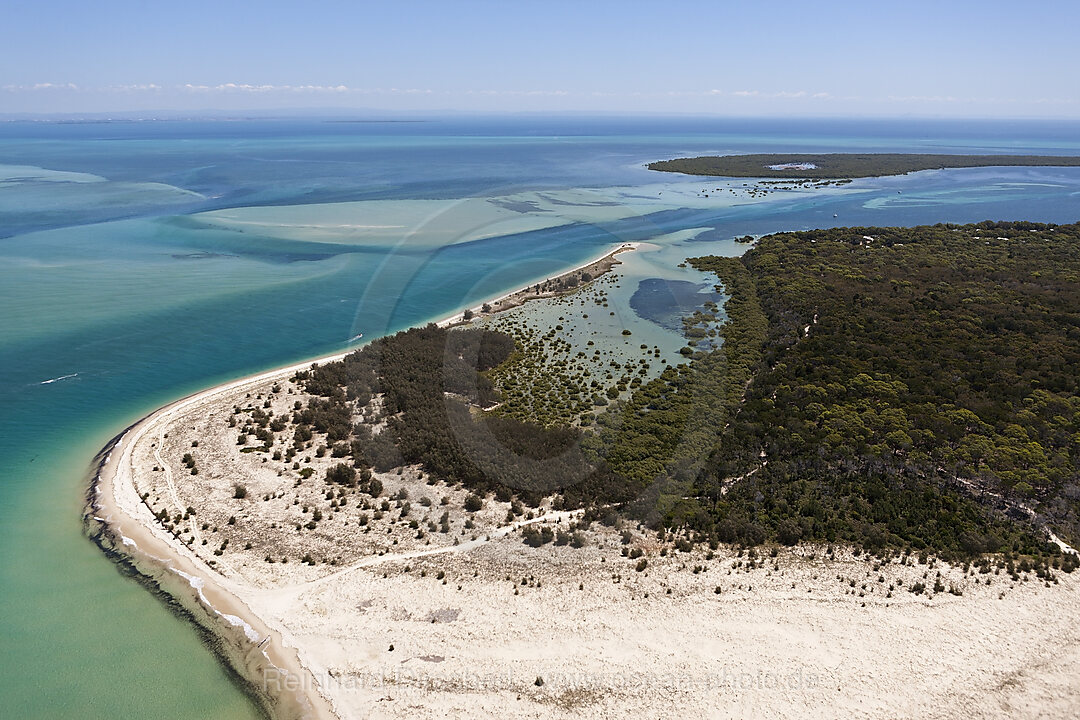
520	295
121	524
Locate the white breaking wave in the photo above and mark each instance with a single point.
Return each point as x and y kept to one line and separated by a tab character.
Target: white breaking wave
198	583
237	622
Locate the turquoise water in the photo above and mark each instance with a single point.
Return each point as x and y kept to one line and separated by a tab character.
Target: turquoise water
117	297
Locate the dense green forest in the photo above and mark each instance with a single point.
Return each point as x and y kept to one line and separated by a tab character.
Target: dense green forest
433	387
917	387
891	388
846	165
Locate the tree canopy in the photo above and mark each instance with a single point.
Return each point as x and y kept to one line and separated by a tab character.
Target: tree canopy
906	373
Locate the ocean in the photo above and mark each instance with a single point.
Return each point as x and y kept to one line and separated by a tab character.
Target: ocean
142	261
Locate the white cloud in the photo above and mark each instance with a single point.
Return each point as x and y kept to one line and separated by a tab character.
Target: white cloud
232	87
521	93
782	94
41	86
136	87
923	98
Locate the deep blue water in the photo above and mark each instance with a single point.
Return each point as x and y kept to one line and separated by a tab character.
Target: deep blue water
114	288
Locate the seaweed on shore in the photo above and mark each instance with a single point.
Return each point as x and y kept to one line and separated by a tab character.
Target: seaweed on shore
104	536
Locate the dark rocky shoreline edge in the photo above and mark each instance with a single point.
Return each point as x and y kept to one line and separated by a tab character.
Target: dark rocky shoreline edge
242	661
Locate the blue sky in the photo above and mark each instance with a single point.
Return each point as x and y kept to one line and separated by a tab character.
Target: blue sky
946	58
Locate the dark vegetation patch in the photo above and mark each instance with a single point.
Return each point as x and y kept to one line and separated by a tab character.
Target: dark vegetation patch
433	388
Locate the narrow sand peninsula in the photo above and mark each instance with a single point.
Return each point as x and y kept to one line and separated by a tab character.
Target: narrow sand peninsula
546	288
403	603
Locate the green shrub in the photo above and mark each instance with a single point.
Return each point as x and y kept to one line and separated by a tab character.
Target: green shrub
341	474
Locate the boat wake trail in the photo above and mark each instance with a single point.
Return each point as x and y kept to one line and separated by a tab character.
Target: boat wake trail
58	379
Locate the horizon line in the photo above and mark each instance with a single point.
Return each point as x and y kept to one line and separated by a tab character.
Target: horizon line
387	115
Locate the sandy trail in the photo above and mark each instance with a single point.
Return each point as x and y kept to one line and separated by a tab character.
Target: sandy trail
292	592
167	470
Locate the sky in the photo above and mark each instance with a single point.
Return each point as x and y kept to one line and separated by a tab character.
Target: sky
948	58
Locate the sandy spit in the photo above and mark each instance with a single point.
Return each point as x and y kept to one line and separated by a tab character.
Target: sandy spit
518	296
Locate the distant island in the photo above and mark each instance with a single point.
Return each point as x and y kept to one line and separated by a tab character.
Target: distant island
846	165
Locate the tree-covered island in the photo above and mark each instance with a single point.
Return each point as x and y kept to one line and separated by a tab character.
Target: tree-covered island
833	166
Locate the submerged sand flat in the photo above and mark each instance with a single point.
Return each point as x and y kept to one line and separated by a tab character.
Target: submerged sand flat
31	189
436	223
